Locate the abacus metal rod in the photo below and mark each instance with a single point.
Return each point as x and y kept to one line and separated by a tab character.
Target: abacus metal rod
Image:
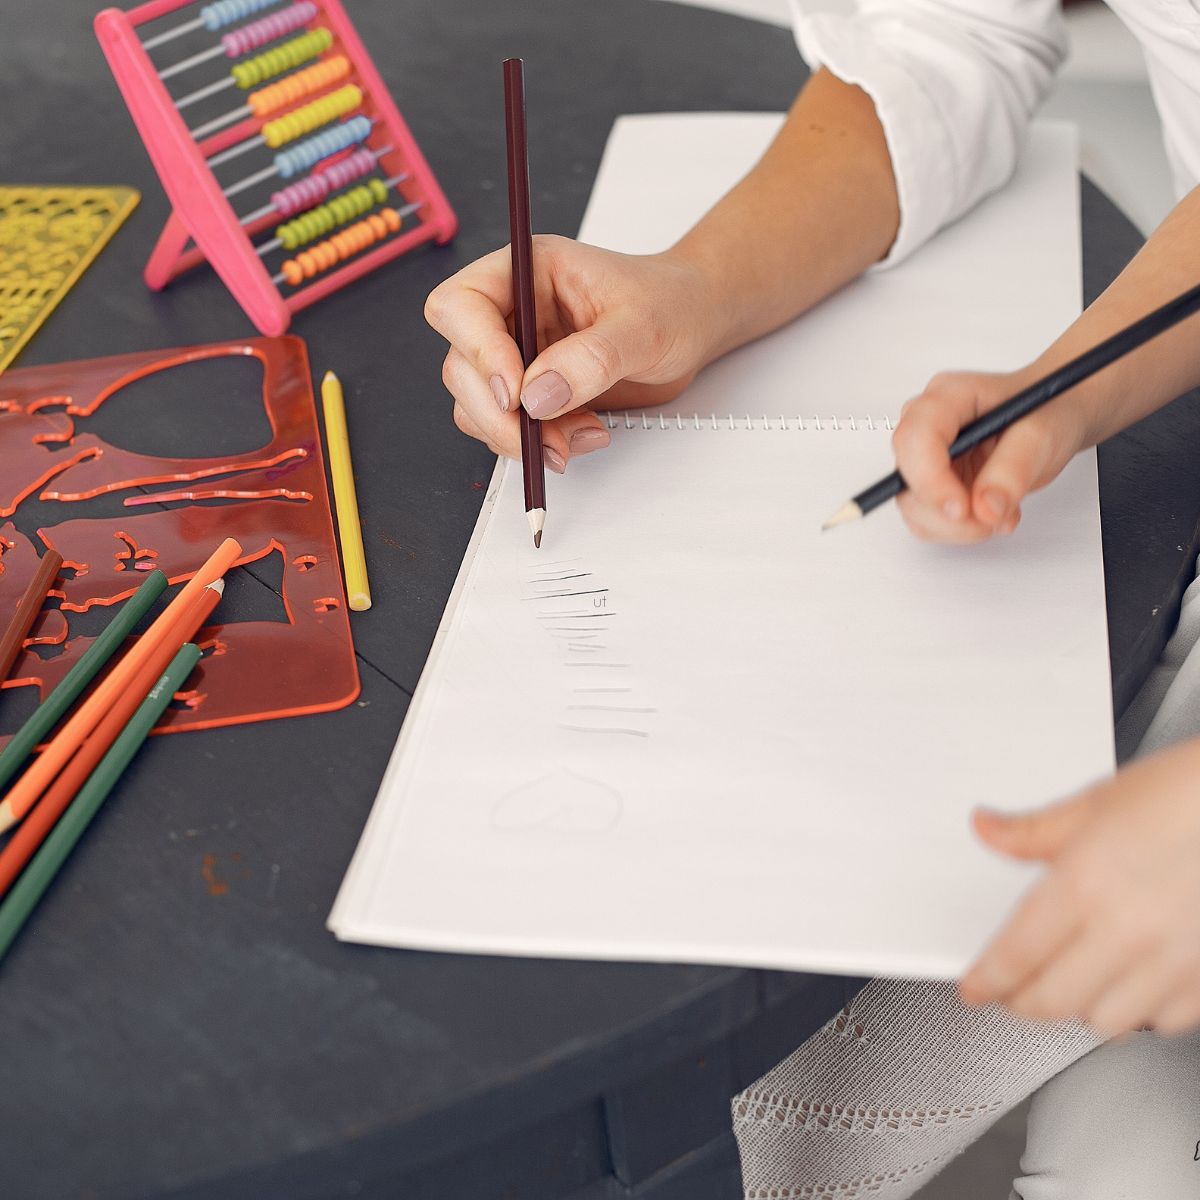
202	131
160	38
275	243
203	93
268	209
186	64
400	212
251	143
250	181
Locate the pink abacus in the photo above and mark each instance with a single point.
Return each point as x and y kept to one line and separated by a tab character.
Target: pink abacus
324	114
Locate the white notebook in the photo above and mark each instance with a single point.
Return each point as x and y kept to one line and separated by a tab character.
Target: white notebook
693	727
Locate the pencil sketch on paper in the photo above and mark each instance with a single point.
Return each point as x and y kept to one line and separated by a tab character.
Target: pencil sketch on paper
576	609
560	802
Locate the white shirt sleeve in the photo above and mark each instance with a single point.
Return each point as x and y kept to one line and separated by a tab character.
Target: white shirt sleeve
954	82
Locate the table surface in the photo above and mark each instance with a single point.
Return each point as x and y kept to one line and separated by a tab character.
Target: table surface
163	1040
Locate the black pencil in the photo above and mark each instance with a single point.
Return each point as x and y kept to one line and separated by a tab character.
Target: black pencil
1033	397
524	317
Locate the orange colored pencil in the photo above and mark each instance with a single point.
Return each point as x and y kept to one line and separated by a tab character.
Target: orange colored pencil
33	830
24	793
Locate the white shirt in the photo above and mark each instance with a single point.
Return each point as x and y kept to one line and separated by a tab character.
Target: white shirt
955	83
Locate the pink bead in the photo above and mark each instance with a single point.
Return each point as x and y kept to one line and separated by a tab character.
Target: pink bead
249	37
308	192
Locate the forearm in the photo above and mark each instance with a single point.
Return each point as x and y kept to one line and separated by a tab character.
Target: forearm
1164	367
818	209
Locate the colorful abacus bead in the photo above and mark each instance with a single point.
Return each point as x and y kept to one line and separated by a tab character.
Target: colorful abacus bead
341	246
311	116
281	58
296	197
288	90
225	12
258	33
321	145
339	211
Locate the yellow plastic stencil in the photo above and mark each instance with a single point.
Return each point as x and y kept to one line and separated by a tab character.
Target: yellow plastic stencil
48	237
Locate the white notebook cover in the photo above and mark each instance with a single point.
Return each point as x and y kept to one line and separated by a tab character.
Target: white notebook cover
693	728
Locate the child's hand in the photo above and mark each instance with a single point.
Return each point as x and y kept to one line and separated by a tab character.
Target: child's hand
634	329
979	494
1112	932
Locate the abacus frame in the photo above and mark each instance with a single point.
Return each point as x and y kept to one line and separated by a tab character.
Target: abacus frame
203	214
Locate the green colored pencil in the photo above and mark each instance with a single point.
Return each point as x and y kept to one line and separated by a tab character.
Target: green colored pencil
45	717
24	895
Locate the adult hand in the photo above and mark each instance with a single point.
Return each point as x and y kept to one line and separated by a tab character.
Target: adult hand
631	329
969	499
1111	933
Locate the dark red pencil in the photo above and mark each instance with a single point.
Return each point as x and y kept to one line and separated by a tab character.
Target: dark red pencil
524	318
28	608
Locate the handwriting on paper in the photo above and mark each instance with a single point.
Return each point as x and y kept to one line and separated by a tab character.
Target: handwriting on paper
574	607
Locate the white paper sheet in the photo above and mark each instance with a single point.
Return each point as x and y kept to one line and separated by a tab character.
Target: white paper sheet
694	728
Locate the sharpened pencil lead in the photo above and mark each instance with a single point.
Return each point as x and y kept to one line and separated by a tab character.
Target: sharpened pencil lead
848	512
537	522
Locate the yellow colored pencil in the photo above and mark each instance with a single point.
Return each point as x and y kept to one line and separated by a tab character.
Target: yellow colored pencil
354	559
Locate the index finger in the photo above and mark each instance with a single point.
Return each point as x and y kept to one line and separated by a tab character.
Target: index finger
1044	922
921	442
470	310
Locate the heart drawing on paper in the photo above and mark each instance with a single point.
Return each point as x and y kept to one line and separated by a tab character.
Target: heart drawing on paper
561	802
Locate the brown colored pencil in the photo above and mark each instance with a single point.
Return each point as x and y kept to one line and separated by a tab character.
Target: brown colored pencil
28	608
32	831
520	229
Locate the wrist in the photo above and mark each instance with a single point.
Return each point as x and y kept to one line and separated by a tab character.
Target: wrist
703	295
1084	411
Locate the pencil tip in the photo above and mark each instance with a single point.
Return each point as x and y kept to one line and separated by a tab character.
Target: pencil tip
537	521
328	376
848	512
218	586
7	820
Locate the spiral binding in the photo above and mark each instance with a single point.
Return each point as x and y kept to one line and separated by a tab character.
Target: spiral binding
299	158
329	253
748	422
258	33
281	58
291	88
311	116
224	12
312	189
341	210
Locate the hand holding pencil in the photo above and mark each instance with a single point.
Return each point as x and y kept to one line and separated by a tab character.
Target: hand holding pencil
971	446
978	496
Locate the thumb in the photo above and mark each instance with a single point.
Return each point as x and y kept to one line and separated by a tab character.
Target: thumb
1035	835
583	365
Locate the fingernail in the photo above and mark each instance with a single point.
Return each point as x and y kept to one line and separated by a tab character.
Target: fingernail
997	502
554	460
546	395
585	440
500	391
953	509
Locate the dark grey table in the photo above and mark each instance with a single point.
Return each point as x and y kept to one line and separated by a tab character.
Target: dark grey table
163	1041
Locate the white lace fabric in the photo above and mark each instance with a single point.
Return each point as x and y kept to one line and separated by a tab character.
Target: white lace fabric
889	1091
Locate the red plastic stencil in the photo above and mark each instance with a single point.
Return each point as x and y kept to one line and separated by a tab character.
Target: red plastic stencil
274	501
